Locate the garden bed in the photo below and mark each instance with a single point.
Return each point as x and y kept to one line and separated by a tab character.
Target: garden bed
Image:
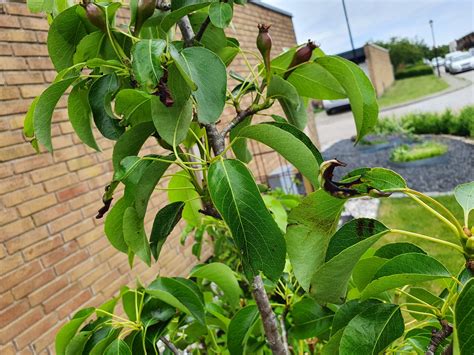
456	169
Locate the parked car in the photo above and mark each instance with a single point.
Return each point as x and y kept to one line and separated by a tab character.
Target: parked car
448	59
462	63
439	61
331	106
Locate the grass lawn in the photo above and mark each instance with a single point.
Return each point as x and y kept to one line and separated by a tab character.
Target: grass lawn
404	213
411	88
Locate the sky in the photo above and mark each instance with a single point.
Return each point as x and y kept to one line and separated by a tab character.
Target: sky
370	20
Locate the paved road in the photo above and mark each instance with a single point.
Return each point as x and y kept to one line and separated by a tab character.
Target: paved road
341	126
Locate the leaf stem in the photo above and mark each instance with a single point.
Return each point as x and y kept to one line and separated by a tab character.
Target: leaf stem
422	236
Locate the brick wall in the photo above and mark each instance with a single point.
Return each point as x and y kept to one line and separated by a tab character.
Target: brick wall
380	67
54	256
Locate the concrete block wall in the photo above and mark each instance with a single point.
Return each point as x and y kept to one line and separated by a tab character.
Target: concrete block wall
380	67
54	256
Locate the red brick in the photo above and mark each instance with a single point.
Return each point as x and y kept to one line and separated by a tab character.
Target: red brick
15	78
14	183
16	197
12	63
82	269
72	192
28	91
39	63
10	263
47	291
8	349
5	49
15	151
59	224
50	214
19	9
18	326
61	182
93	197
78	229
61	298
38	204
80	163
32	163
19	275
33	50
26	239
15	228
17	36
48	172
32	284
11	138
34	23
13	312
70	262
36	330
59	254
9	21
74	304
9	93
6	299
42	247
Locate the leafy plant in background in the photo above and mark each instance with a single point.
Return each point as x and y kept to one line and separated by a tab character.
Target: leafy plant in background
406	153
333	293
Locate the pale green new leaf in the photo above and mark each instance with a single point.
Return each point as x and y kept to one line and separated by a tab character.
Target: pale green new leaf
311	224
67	332
403	270
280	88
371	331
237	198
223	276
135	236
295	114
346	247
118	347
181	189
220	14
465	196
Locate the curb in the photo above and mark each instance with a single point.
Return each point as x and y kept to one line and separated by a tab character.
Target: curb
424	98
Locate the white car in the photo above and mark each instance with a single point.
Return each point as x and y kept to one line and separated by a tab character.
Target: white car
330	106
462	63
448	59
439	61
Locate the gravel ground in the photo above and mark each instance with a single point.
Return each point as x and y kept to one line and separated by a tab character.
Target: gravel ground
455	169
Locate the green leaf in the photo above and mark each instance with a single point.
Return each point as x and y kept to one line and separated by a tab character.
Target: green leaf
44	110
135	236
36	6
291	143
182	189
426	296
237	198
131	142
295	114
313	81
214	38
365	270
311	224
332	346
224	277
89	47
133	106
346	312
100	96
346	247
239	146
28	123
180	293
371	331
403	270
114	224
164	223
465	196
280	88
227	54
383	179
208	72
359	90
67	332
179	11
172	123
118	347
148	181
181	65
79	113
64	35
146	62
77	343
389	251
277	210
310	319
220	14
99	347
464	320
239	329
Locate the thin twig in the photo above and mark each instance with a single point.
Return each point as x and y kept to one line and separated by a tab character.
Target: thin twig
438	336
242	115
216	139
187	31
170	345
203	28
268	317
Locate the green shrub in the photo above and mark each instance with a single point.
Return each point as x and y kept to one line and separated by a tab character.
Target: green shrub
414	70
465	122
405	153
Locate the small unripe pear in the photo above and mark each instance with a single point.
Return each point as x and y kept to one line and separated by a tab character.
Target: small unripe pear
95	15
264	44
145	10
301	56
